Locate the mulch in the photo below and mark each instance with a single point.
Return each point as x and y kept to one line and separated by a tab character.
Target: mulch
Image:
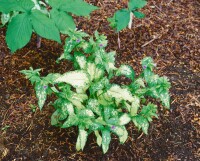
170	34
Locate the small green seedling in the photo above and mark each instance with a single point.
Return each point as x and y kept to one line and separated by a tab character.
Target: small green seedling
5	127
33	107
123	18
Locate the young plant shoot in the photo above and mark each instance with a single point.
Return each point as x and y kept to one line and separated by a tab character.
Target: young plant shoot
123	18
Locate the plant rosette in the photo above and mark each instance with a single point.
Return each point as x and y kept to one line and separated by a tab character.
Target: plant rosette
86	97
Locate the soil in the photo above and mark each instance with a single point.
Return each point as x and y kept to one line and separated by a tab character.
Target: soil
170	34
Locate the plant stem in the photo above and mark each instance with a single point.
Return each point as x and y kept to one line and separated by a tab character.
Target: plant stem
39	40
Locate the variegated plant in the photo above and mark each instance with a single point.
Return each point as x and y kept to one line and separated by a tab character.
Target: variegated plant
88	99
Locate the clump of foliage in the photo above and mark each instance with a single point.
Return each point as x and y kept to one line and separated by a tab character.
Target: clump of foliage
122	18
47	19
87	98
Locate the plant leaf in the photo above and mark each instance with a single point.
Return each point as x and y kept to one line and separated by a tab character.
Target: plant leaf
56	3
41	94
44	26
81	140
139	14
121	132
81	60
16	5
99	138
78	79
63	21
124	137
141	122
99	85
136	4
135	106
87	113
55	117
71	121
19	32
106	138
94	105
122	19
8	6
120	93
127	71
78	7
5	18
124	119
165	98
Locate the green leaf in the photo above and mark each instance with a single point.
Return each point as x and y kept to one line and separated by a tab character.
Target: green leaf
32	75
63	21
94	105
120	93
148	74
147	63
8	6
127	71
112	21
78	79
122	19
69	46
16	5
124	137
94	71
81	140
71	121
78	7
93	126
107	60
81	60
139	14
124	119
104	98
144	117
44	26
91	70
136	4
118	130
99	138
5	18
19	32
25	5
141	122
149	111
135	106
55	117
41	94
67	108
165	98
102	83
106	138
77	99
86	113
56	3
121	132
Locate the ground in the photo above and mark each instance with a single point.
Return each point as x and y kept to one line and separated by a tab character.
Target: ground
170	34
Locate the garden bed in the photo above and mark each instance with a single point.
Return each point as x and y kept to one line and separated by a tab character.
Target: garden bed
169	34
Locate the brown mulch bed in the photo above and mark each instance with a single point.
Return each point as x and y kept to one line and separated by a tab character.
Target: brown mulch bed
170	34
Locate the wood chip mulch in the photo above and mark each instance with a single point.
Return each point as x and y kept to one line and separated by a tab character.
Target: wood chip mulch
170	34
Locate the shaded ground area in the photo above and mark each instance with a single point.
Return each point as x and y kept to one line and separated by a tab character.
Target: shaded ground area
170	34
